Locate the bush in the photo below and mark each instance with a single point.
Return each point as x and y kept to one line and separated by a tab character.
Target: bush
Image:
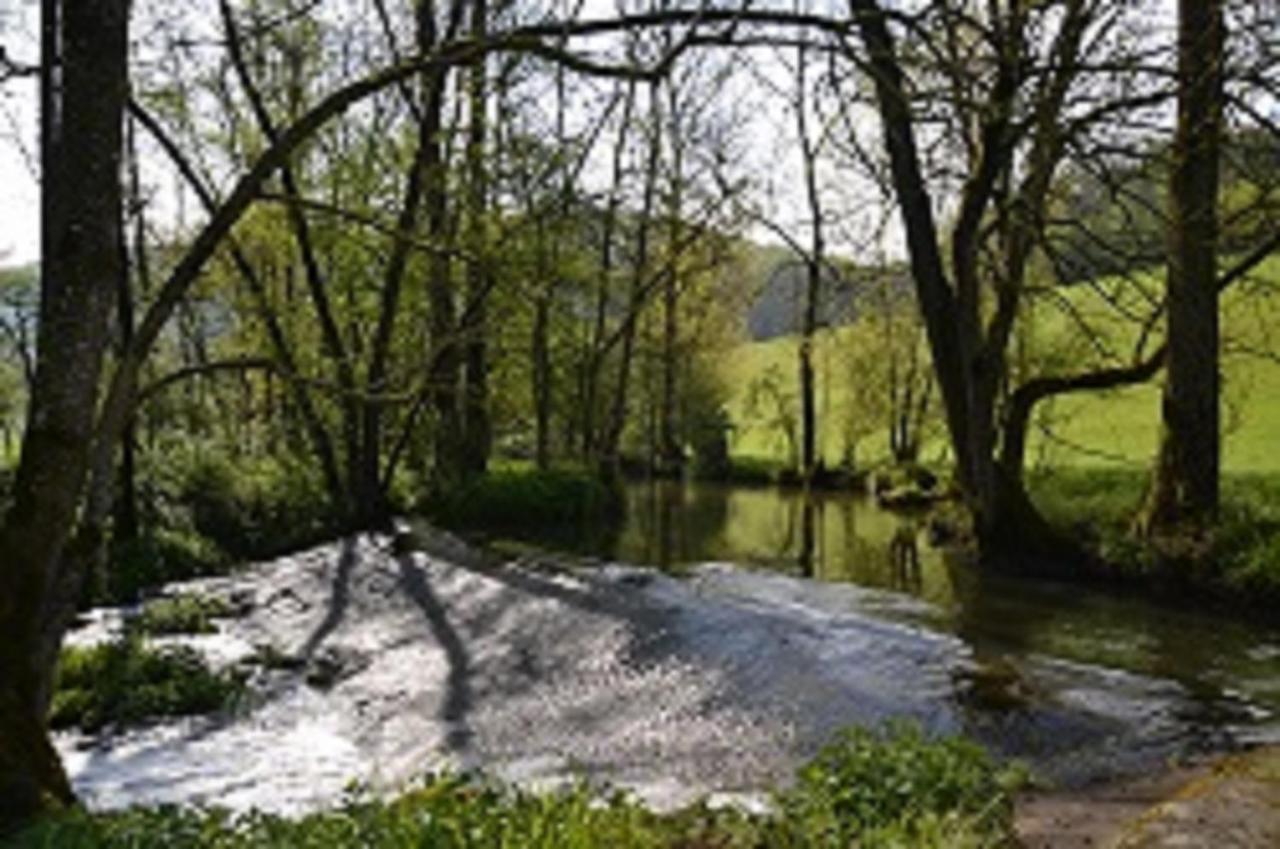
126	683
929	795
180	614
521	498
754	471
159	556
256	509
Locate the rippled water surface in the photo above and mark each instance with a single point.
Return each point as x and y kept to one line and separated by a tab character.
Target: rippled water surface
1228	671
786	620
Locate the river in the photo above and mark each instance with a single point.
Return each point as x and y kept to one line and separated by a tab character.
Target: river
1227	670
780	621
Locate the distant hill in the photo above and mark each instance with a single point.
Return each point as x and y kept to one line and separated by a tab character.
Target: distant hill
777	308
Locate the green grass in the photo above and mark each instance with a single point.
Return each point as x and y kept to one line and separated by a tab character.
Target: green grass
1098	505
127	683
889	789
181	614
1097	430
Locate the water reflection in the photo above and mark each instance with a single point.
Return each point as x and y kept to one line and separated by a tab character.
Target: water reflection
1231	669
824	536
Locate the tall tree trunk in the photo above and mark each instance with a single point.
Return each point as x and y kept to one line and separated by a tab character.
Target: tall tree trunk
670	448
610	454
542	380
371	491
124	524
813	279
476	419
83	85
540	349
1184	495
592	441
671	457
445	363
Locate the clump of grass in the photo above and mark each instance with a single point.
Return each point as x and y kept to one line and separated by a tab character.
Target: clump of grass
181	614
125	683
893	789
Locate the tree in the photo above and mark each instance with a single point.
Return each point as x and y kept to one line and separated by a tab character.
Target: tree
1184	492
968	341
477	424
83	91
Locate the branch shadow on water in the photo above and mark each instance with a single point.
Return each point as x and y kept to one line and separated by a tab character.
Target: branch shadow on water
457	700
339	599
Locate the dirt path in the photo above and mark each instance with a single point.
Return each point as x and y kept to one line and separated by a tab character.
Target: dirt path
1232	803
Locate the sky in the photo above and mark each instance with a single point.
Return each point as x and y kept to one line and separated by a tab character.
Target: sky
19	188
19	192
770	142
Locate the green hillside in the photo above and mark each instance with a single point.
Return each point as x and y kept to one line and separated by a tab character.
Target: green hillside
1115	428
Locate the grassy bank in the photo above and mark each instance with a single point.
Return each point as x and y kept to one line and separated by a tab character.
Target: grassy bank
1097	506
889	789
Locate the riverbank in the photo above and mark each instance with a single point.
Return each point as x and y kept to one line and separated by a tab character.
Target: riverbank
1230	802
1235	568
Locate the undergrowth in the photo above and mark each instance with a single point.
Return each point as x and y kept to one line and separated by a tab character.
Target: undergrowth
524	497
871	790
186	613
126	682
1098	507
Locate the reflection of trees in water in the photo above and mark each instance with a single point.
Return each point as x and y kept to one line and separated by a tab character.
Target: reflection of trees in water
904	559
812	537
671	522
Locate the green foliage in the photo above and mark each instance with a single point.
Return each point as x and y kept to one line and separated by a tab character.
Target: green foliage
750	469
257	508
126	683
6	489
1099	504
872	788
892	790
159	556
181	614
515	497
202	512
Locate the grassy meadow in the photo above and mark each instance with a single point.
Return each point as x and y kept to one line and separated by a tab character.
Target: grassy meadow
1114	429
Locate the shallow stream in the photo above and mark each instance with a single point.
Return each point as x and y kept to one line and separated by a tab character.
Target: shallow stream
771	623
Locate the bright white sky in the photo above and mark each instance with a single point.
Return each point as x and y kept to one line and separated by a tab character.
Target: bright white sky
770	142
19	193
